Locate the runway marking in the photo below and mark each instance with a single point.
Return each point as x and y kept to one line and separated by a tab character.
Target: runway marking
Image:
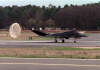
50	64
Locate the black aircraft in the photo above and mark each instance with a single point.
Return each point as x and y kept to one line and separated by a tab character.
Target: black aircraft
63	35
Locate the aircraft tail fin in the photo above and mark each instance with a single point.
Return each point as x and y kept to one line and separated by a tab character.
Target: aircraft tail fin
39	32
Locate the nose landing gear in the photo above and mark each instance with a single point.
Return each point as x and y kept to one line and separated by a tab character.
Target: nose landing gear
74	40
56	40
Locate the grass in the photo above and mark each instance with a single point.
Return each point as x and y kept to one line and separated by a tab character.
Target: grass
63	48
88	33
50	52
53	56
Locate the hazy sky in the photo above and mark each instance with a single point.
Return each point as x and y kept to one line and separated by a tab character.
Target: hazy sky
45	2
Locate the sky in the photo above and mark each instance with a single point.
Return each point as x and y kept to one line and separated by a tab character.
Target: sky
45	2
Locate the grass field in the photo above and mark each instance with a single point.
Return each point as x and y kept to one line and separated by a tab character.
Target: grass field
88	33
51	52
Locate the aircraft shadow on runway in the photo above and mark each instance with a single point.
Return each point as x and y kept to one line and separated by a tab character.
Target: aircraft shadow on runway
49	42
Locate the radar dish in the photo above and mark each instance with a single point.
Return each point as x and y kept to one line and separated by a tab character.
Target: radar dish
15	30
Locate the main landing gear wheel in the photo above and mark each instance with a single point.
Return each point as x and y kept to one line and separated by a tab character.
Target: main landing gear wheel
74	41
63	41
56	41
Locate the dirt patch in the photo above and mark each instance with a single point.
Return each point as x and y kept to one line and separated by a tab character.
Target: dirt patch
3	34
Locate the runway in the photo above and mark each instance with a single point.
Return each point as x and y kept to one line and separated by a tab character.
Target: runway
91	40
16	44
48	64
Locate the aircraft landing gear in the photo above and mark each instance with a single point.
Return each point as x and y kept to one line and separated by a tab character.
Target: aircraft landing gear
74	40
30	38
56	40
63	40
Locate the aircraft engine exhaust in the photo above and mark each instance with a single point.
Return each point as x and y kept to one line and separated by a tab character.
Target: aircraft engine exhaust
15	30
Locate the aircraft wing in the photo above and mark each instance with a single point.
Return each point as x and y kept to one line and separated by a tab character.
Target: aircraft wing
73	34
59	35
63	34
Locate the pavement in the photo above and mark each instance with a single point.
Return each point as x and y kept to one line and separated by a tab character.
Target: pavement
48	64
20	44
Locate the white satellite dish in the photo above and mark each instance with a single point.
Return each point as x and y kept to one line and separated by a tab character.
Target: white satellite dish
15	30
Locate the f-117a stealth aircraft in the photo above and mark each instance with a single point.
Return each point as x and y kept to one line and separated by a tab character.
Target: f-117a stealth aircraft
63	35
15	31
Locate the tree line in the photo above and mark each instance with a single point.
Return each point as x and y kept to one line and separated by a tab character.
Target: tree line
82	17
